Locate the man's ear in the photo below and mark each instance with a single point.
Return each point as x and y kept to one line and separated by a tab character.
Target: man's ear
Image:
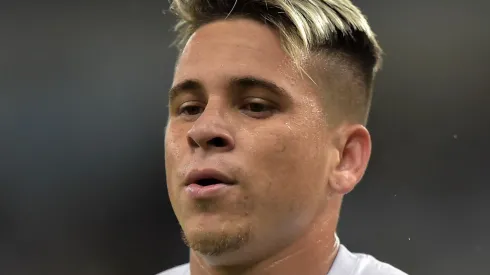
353	150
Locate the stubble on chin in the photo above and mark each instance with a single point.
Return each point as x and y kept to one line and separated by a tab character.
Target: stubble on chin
216	243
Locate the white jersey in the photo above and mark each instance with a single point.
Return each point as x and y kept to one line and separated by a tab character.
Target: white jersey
346	263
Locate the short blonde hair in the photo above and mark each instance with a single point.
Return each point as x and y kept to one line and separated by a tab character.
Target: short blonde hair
306	27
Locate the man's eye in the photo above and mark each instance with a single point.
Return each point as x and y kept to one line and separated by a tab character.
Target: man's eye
258	109
191	110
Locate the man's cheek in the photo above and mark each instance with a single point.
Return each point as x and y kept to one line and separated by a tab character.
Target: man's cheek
174	149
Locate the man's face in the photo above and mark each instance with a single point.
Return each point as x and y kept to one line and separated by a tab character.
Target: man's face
270	143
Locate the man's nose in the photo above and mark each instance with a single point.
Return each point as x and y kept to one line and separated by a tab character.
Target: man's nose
210	132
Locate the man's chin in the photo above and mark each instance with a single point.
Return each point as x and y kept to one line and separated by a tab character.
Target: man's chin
215	243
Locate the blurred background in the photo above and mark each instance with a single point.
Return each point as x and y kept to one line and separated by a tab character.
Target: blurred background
83	106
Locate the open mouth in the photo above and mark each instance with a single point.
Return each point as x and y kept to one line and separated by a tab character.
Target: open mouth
207	177
208	182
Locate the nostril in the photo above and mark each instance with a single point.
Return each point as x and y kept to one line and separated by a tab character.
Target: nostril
217	142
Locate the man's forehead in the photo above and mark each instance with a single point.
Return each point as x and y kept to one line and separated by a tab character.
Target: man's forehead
237	46
247	32
240	38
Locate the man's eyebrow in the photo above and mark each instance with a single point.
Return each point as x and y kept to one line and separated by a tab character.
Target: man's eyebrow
244	82
252	81
188	85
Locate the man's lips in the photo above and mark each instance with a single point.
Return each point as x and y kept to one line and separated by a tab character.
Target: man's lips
199	192
207	183
207	177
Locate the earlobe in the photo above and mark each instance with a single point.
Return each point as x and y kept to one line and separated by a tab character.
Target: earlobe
354	150
343	182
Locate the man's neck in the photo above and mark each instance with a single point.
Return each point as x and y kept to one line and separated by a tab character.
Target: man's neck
313	253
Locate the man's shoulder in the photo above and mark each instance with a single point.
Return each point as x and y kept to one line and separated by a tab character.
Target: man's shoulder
347	262
178	270
368	265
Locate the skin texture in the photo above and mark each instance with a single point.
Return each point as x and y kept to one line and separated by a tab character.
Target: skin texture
289	167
